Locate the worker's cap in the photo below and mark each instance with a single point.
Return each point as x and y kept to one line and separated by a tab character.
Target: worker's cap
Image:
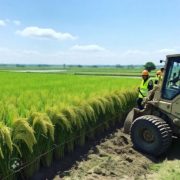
145	73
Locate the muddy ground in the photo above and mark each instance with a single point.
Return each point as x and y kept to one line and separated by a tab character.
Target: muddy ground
112	159
109	157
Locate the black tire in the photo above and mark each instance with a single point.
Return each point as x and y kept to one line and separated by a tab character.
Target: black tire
151	134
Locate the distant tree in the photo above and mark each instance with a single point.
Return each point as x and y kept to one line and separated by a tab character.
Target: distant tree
20	65
80	66
64	66
118	66
94	66
130	66
149	66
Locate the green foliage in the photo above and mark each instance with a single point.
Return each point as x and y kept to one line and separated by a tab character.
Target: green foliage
166	170
150	66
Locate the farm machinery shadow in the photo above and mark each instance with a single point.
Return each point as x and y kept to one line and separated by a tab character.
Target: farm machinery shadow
174	152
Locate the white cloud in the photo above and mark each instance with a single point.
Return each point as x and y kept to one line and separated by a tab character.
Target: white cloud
2	23
167	51
7	21
46	33
17	22
91	47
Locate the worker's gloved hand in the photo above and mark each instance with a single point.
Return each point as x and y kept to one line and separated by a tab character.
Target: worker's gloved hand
145	100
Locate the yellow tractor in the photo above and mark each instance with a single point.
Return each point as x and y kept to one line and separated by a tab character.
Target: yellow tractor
152	129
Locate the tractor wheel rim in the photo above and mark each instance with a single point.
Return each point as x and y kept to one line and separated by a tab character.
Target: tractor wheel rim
148	136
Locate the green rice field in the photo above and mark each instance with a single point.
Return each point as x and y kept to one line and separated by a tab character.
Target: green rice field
45	115
28	92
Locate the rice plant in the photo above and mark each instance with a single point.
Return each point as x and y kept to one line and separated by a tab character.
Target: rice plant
6	148
46	115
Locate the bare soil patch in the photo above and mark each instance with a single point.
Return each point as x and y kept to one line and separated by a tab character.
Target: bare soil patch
109	157
113	159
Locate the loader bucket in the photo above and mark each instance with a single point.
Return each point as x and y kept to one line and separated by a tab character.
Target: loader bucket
128	121
132	115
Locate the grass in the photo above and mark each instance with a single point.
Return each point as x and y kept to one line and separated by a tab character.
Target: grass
168	170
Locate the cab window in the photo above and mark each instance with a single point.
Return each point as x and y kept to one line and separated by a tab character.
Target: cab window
171	86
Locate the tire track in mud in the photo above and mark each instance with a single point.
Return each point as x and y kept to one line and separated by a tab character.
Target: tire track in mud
112	159
108	157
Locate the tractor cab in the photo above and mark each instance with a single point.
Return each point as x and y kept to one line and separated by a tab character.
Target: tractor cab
168	96
171	84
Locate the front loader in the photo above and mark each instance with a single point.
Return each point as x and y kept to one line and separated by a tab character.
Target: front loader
151	129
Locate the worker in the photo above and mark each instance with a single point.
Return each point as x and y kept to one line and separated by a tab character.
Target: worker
145	86
157	79
175	79
162	74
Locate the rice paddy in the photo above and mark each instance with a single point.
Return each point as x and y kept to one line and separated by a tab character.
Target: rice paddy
50	114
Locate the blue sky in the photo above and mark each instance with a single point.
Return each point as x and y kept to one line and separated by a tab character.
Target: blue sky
88	31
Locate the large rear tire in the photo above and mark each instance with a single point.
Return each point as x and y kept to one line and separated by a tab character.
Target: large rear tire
151	134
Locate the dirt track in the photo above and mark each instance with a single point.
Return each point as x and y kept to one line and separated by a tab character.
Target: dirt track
112	159
109	157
